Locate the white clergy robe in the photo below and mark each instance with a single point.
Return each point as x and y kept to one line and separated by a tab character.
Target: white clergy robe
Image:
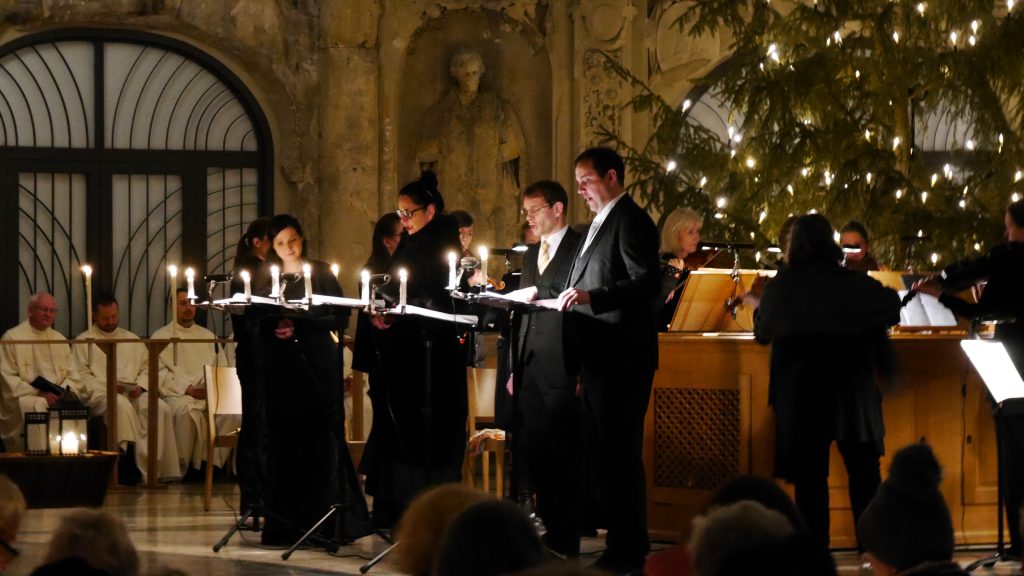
132	370
19	366
186	368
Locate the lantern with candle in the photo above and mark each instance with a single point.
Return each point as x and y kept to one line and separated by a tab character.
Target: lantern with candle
37	442
68	430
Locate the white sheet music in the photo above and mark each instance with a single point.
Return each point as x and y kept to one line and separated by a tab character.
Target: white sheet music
925	310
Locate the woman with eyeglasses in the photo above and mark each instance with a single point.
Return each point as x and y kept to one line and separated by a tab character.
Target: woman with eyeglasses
419	388
308	467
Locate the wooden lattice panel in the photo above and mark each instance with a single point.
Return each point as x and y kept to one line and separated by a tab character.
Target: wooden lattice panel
697	437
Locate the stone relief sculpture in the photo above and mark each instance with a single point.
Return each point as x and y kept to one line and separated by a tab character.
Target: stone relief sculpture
474	142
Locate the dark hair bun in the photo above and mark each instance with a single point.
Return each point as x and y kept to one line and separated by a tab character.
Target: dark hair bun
429	180
915	471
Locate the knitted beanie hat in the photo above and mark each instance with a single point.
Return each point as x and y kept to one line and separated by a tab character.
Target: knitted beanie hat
908	522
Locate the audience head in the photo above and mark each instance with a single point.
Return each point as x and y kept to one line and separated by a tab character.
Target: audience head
544	206
1014	221
12	511
761	490
465	222
42	309
811	242
105	312
681	234
489	538
97	537
908	522
854	234
287	238
419	202
424	522
600	176
255	241
742	530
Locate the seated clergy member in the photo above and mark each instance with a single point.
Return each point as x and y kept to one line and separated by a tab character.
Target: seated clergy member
30	369
132	381
183	383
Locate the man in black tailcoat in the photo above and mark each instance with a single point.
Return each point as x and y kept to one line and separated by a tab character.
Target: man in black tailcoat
612	344
550	409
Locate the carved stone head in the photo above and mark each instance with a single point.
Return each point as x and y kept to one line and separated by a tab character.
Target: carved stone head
466	68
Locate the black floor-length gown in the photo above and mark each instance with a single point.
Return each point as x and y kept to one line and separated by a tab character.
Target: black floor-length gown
418	435
308	466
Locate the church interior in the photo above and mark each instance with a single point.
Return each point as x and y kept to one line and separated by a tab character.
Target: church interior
138	136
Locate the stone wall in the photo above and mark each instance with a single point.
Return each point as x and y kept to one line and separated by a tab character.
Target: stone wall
344	83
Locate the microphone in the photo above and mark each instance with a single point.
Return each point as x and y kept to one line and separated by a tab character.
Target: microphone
219	277
379	279
469	263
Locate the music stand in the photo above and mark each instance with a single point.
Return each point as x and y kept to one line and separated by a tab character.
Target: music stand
241	303
1004	384
410	310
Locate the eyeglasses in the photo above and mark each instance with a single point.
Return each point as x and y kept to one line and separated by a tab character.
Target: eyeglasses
45	310
533	211
406	214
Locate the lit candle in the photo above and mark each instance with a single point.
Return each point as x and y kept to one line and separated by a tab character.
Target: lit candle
483	265
335	269
307	275
87	273
248	285
190	275
275	281
173	271
403	277
451	271
364	293
69	444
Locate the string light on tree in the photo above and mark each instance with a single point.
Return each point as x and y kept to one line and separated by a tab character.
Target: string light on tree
924	197
934	258
1015	197
670	166
899	193
687	104
921	7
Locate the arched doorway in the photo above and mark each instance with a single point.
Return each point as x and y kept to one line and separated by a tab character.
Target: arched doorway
127	151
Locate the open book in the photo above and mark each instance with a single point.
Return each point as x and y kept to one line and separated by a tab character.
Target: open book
925	310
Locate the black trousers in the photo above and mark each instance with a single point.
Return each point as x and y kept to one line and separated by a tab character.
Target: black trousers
862	468
615	405
1013	470
550	449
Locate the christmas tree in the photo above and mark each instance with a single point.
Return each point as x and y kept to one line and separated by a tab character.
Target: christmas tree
906	116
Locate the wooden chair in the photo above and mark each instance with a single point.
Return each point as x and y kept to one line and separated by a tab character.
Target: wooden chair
223	396
480	388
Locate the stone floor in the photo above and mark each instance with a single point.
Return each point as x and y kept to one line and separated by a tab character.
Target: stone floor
171	531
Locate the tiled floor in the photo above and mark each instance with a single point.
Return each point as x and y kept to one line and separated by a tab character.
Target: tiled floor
171	530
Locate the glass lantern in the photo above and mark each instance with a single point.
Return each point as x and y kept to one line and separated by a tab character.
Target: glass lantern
37	435
68	433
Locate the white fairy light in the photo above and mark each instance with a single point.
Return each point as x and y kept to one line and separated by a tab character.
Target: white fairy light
1000	142
972	40
789	188
732	153
963	203
773	52
1017	176
867	134
719	215
868	177
969	144
974	26
721	202
947	171
670	166
920	233
812	211
952	37
1015	197
935	258
837	37
836	236
920	8
805	171
687	104
762	216
977	245
924	197
896	37
896	142
899	193
703	181
856	74
750	162
935	178
828	178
